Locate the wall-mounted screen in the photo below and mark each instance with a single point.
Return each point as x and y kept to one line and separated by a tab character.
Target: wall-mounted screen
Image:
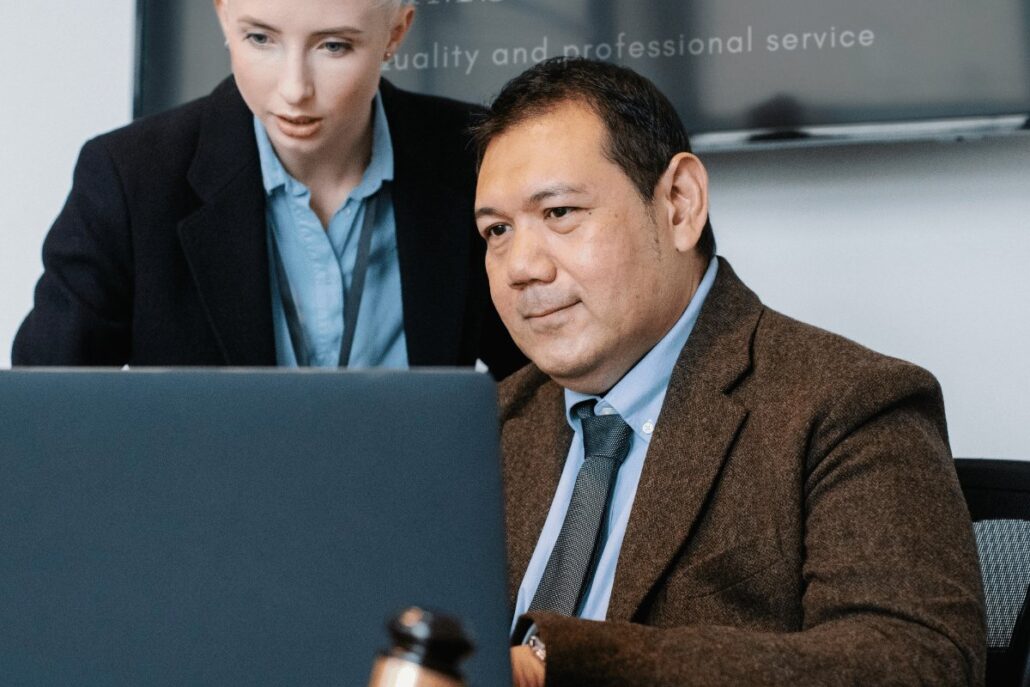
780	65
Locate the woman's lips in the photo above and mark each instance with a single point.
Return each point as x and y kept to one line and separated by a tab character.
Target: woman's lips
298	127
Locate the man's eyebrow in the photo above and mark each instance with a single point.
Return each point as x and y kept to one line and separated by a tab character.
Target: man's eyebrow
487	212
552	191
539	197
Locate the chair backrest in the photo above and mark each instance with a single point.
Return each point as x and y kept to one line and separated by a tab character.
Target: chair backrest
998	495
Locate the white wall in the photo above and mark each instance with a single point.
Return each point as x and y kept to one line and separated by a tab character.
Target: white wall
919	249
65	75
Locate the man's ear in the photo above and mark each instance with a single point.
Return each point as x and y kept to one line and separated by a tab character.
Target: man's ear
684	188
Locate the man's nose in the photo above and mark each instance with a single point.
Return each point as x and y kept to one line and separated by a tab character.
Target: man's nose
295	84
529	259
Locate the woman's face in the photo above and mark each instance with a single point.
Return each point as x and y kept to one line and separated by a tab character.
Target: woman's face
309	69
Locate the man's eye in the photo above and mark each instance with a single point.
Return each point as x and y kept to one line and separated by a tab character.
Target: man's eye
336	47
497	230
257	38
558	213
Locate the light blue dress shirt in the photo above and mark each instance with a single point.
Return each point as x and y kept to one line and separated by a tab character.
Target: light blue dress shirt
318	261
638	398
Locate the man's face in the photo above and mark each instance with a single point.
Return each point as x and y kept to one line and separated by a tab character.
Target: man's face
583	272
309	69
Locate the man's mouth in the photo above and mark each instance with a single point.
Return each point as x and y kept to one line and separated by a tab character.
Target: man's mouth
542	312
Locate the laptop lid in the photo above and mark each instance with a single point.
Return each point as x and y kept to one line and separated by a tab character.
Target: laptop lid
243	527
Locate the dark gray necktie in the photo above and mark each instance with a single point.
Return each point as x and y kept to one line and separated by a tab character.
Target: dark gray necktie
606	441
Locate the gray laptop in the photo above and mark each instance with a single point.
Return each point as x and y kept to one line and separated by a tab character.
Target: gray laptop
243	527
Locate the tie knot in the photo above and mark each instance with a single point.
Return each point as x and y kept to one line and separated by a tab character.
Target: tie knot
604	436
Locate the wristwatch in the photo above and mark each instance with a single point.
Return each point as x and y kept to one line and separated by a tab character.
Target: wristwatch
537	646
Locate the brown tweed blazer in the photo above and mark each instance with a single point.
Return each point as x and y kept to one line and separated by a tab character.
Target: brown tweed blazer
798	520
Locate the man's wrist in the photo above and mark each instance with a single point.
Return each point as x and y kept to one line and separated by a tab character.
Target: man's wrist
532	640
537	646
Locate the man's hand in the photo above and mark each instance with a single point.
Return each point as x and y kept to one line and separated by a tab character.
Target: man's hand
526	669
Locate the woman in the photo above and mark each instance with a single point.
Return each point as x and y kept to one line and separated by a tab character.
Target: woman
305	212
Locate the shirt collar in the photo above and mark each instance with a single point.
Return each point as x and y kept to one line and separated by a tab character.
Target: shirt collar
379	170
273	174
639	395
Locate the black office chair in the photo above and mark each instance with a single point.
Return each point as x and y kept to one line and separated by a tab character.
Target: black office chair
998	495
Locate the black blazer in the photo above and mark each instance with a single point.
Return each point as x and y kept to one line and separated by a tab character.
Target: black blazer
159	256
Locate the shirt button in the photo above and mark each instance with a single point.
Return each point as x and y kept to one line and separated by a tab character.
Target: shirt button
648	427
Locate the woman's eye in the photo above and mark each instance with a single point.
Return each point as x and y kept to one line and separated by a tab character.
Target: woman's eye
336	47
257	38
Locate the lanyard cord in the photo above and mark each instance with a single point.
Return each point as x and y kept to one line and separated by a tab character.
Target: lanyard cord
351	296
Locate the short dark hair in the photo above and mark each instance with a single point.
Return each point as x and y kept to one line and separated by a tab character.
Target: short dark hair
644	132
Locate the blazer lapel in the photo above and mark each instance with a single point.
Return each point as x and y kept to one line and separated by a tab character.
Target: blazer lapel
695	432
533	463
225	239
434	232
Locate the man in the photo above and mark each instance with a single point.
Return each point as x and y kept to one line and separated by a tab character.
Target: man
700	489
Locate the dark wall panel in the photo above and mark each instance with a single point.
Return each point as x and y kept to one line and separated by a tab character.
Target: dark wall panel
727	66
